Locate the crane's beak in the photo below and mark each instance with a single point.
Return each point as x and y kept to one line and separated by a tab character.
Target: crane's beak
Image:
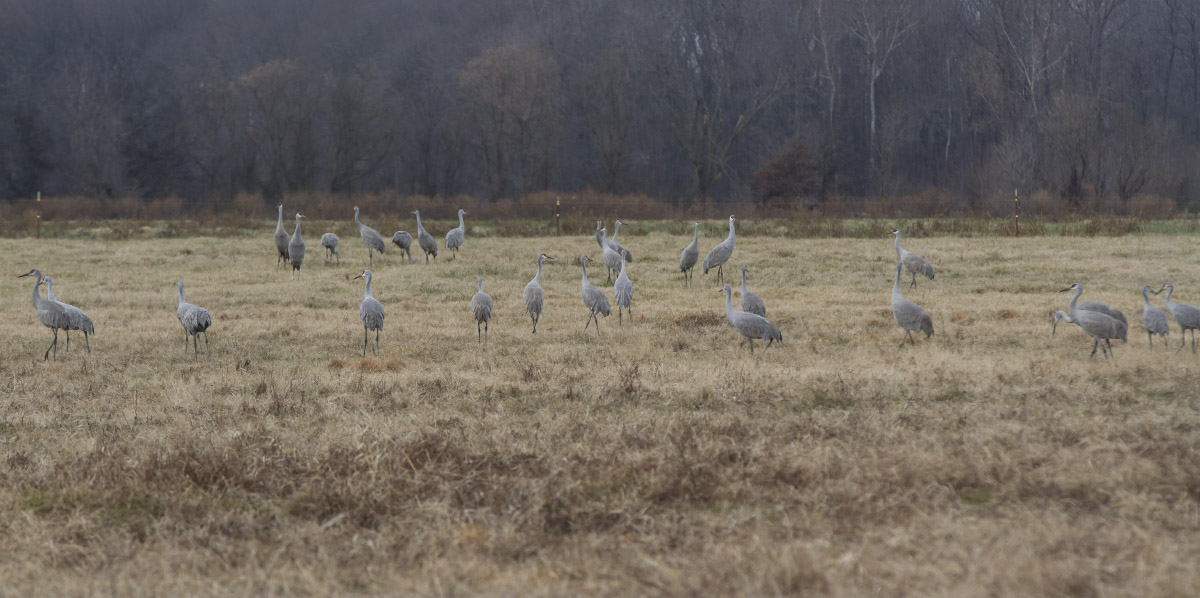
549	258
1065	290
29	273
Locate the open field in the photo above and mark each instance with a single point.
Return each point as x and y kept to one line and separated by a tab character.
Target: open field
659	458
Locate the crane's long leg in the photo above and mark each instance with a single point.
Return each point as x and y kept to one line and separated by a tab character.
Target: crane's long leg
534	318
1095	344
68	349
478	332
751	341
914	280
485	332
88	341
589	321
366	336
1150	335
53	345
377	341
206	353
185	336
195	346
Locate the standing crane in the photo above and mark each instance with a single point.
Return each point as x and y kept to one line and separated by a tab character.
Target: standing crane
296	247
612	259
1096	325
533	294
370	238
371	312
330	242
1187	316
425	240
750	325
912	262
909	315
691	253
281	239
593	298
1076	306
195	320
454	237
1153	319
750	302
76	319
481	308
720	254
623	293
49	313
403	240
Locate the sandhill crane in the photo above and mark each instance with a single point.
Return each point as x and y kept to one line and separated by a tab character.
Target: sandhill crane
370	238
617	247
533	294
49	313
912	262
1076	306
593	298
403	240
330	242
750	325
281	239
296	247
612	259
1153	319
1187	316
720	254
691	253
1096	325
76	319
750	302
425	240
195	320
454	237
481	308
371	312
623	293
909	315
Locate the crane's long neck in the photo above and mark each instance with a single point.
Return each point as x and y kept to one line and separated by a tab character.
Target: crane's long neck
296	235
1146	295
367	293
1071	308
181	300
538	277
279	224
50	290
460	220
731	233
728	302
600	238
1167	301
356	221
418	215
898	250
696	234
616	231
743	282
585	281
37	297
896	285
479	285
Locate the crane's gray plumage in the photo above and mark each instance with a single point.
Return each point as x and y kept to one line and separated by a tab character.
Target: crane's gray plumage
1096	325
370	238
425	240
481	308
296	247
1187	316
750	302
371	312
195	320
623	293
403	240
690	255
612	259
455	236
49	313
593	298
76	319
533	295
909	315
912	262
750	325
717	256
1153	319
281	239
330	242
1077	306
617	247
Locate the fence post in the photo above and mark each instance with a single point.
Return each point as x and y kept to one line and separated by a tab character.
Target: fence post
39	215
557	219
1017	215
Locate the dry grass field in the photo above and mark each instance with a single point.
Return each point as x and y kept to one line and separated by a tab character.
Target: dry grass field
658	458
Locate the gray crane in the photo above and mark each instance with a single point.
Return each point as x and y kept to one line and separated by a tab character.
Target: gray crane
371	312
617	247
1187	316
533	295
195	320
76	319
750	325
49	313
690	255
720	254
1076	306
455	236
296	247
403	240
593	298
612	259
909	315
425	240
370	238
1096	325
1153	319
281	239
481	308
623	293
914	263
750	302
330	242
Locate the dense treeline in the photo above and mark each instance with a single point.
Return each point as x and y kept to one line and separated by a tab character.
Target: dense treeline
1092	103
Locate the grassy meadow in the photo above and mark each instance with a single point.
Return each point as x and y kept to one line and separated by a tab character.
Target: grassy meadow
656	458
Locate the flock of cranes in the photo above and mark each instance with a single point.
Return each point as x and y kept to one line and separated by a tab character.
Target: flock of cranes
1099	321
